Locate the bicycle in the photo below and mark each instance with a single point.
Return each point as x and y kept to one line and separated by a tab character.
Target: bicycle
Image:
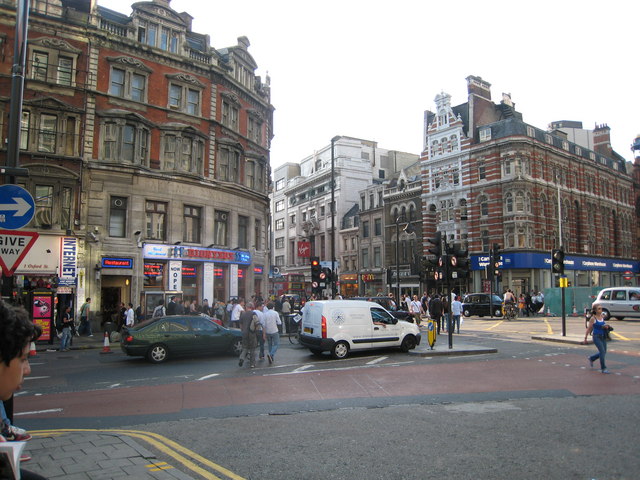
509	311
294	332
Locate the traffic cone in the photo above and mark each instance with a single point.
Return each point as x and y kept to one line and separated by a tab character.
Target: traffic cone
548	311
106	348
32	349
575	312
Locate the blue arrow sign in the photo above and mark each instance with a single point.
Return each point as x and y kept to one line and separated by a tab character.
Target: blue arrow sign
16	207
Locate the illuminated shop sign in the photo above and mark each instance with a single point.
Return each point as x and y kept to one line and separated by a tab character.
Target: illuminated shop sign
153	269
258	270
114	262
189	271
195	254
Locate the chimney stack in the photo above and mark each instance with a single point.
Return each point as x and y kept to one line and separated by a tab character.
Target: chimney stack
602	140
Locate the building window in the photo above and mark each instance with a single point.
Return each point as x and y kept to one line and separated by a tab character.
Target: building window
279	205
279	184
485	134
280	224
230	114
484	206
243	226
184	99
280	242
52	61
254	129
377	257
365	229
257	234
156	35
220	228
508	202
228	164
128	79
118	217
125	142
44	205
183	152
365	258
156	218
377	227
280	261
192	216
482	174
292	219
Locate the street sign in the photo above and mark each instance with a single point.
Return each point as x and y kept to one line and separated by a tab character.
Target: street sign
14	246
628	275
16	207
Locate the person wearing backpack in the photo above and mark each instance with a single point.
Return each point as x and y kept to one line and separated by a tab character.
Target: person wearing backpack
159	311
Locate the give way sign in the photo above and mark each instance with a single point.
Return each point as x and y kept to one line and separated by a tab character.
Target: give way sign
14	246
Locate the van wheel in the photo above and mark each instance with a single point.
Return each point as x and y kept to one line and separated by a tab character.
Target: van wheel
340	350
408	343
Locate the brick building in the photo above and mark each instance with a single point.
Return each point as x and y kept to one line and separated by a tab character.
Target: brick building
147	146
510	175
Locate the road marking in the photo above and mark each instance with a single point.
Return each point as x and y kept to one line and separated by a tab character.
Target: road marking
549	329
35	378
170	448
618	336
496	325
338	369
303	368
207	377
373	362
114	385
156	467
37	412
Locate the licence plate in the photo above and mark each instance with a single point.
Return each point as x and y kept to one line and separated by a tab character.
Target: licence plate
308	330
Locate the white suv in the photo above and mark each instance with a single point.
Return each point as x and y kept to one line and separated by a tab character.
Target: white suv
619	302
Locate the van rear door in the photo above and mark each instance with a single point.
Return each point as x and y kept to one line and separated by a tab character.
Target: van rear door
312	319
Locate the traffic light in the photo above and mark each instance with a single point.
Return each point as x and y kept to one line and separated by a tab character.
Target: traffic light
325	277
437	245
460	261
495	260
557	261
316	271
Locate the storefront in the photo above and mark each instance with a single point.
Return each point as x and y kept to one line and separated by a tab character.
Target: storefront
372	284
349	285
527	271
199	273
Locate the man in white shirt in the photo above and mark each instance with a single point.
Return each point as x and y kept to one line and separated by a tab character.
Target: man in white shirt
238	308
271	320
415	309
456	312
130	316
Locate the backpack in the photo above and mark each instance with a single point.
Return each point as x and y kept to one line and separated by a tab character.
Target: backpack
157	312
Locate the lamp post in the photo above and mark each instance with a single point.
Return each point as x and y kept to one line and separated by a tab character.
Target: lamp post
408	229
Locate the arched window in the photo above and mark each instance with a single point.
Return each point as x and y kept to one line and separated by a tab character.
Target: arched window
508	203
463	209
520	202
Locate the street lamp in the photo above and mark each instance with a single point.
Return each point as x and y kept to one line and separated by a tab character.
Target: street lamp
408	229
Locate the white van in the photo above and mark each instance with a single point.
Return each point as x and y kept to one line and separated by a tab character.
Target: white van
338	326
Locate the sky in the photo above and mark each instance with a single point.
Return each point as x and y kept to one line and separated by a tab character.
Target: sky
370	68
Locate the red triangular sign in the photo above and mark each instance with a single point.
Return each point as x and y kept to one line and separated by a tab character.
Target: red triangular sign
14	246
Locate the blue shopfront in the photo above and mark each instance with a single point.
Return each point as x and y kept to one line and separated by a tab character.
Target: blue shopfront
526	271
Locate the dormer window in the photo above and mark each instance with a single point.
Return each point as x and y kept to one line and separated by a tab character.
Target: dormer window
485	134
160	36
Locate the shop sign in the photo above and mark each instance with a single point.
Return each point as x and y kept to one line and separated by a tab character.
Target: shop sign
368	277
353	277
113	262
153	269
258	270
67	271
195	254
304	249
189	271
175	276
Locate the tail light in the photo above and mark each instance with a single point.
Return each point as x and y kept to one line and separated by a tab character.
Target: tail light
324	327
128	339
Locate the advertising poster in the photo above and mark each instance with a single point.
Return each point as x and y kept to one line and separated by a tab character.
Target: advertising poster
43	313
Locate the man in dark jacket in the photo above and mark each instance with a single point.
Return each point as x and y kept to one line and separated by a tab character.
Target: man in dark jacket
435	310
172	306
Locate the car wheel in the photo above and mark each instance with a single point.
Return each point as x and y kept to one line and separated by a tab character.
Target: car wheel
236	347
498	312
467	313
158	353
408	343
605	314
340	350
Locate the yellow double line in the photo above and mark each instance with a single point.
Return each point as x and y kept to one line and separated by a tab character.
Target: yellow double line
170	448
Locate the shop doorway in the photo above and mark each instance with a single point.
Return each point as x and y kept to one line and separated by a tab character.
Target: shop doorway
110	299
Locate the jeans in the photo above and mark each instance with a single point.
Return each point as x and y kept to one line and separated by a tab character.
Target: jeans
260	343
273	340
601	345
455	323
65	341
85	326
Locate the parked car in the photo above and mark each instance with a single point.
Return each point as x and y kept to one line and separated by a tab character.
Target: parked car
174	335
339	326
386	303
619	302
480	304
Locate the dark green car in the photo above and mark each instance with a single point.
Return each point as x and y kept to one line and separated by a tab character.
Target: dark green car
176	335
